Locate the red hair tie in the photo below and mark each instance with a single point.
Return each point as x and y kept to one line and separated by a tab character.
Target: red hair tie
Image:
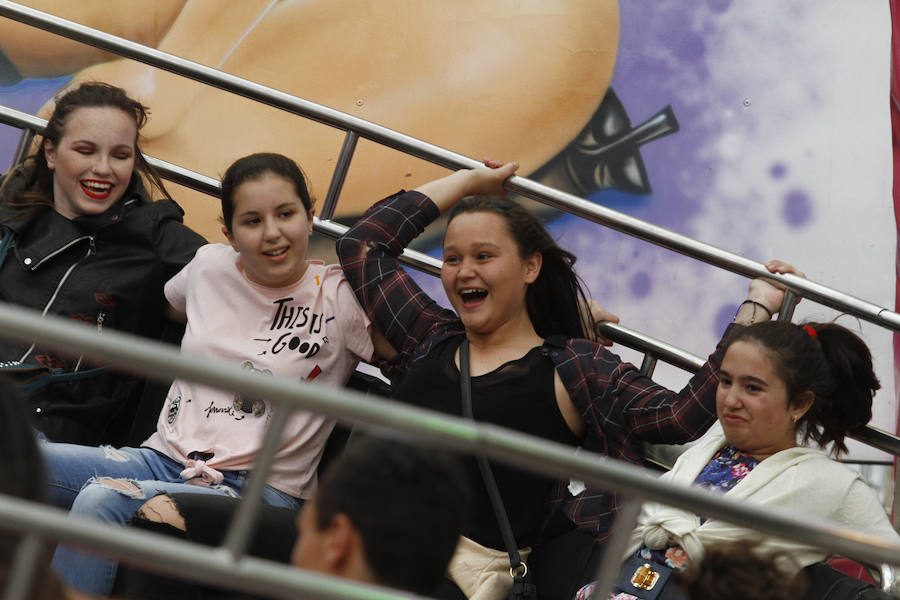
811	332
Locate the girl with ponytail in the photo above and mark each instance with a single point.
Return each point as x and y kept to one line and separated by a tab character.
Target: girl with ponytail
786	394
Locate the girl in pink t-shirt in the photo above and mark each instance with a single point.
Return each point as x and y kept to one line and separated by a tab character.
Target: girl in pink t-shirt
260	304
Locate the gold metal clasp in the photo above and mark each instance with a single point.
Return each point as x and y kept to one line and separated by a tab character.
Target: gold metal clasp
644	577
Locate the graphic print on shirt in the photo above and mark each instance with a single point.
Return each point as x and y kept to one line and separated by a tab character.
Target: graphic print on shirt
295	328
294	333
174	407
247	406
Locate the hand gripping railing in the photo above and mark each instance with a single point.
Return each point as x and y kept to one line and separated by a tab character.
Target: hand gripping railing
357	127
139	355
654	348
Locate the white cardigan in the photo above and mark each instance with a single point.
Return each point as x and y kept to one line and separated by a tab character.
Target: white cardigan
800	479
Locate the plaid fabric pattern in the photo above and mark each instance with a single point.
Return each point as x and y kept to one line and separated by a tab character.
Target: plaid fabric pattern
621	408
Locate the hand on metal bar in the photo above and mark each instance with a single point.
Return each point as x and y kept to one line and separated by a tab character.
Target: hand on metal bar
447	191
767	297
597	316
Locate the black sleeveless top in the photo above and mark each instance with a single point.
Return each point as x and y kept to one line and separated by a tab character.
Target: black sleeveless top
518	395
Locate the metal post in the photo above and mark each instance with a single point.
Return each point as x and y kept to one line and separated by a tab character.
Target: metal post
239	530
446	158
786	312
24	567
339	175
648	365
24	147
611	563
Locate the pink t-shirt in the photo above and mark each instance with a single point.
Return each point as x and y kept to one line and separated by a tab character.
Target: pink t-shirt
312	330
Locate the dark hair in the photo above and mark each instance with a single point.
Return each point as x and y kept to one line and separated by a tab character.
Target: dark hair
34	187
835	365
741	571
409	505
22	475
255	166
556	300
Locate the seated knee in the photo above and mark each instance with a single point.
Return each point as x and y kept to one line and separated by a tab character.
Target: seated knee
101	496
162	509
95	490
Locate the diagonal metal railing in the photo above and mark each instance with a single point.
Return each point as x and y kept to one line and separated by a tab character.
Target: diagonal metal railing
139	355
496	442
630	338
357	128
238	534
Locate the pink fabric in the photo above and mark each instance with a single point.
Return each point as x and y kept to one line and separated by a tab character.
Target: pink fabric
314	329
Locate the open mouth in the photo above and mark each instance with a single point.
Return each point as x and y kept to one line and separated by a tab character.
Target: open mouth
472	296
98	190
275	253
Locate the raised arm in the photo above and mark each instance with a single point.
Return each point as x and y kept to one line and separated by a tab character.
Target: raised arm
368	252
623	404
397	307
483	181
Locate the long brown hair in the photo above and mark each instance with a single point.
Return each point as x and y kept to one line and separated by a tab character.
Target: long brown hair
29	186
556	299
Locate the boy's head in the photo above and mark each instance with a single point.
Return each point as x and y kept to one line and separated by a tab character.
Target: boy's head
387	513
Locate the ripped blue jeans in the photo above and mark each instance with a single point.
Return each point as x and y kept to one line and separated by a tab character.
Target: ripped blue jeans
78	477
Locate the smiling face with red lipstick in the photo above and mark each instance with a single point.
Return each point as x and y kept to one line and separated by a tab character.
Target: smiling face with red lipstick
93	162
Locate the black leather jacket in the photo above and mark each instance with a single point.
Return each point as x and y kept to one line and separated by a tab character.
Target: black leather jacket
106	270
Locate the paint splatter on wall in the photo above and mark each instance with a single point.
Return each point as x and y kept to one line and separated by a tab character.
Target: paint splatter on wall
758	127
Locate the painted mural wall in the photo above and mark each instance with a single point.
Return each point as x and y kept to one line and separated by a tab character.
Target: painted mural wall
761	127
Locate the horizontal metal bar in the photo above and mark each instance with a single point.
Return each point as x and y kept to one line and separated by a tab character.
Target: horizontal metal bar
617	333
877	438
231	83
451	160
658	348
186	177
184	559
413	258
212	186
139	355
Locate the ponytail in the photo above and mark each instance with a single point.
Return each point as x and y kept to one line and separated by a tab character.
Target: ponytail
828	360
848	405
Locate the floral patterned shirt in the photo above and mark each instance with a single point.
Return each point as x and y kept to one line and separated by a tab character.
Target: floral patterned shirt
723	472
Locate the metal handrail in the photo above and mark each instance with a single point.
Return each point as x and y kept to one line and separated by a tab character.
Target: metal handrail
652	347
382	135
490	440
172	556
209	185
160	361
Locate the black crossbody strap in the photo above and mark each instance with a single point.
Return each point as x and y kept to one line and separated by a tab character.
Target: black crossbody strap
465	388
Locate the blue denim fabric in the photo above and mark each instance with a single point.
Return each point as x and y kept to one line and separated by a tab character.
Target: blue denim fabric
76	476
